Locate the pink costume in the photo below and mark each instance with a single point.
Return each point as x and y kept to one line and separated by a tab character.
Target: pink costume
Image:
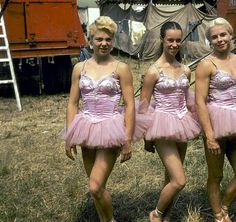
221	103
171	119
100	123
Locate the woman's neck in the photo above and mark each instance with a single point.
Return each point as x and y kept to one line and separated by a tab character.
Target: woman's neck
102	59
170	60
222	55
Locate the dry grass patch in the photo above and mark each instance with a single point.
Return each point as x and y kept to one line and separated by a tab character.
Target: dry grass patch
39	183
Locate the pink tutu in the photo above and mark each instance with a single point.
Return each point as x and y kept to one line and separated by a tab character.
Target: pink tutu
223	121
190	100
95	133
143	119
170	127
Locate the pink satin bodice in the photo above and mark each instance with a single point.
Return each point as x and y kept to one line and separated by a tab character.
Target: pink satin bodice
222	90
100	97
170	94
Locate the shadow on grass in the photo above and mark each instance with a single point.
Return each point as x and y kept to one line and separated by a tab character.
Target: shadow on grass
128	208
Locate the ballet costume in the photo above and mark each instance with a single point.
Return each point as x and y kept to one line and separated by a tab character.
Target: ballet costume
221	103
100	122
171	119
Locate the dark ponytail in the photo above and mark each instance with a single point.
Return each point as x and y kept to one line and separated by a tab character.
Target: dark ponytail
167	26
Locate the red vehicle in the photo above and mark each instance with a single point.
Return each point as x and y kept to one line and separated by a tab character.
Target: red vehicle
43	35
227	9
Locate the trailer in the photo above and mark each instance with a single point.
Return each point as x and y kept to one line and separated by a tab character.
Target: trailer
43	35
227	10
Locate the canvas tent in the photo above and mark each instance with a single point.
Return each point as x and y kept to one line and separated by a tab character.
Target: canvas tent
139	31
166	2
88	12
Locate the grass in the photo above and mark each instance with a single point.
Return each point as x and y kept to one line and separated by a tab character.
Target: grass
38	183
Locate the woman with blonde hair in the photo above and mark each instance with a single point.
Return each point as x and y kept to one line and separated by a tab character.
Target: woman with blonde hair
216	108
102	131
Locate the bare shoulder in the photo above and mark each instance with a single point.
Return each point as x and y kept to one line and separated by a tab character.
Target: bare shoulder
233	56
77	68
205	62
205	67
122	69
152	72
187	70
122	65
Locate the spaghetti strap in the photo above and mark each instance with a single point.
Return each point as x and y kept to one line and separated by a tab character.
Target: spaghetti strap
208	59
159	70
117	66
213	63
84	65
156	67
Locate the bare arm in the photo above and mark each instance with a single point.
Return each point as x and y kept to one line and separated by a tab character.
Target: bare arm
72	107
203	72
147	90
126	82
148	84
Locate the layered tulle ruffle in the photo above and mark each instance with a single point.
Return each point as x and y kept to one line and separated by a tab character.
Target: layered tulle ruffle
152	124
171	127
143	119
106	133
223	120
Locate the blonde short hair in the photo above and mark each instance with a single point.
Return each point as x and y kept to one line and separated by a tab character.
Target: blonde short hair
218	21
104	23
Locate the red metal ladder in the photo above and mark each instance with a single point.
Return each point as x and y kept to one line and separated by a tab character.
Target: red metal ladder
5	50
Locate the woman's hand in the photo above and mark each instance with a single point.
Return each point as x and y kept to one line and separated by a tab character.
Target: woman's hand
126	152
213	146
69	151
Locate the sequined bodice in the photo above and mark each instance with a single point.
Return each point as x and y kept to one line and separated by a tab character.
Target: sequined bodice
222	89
170	94
100	97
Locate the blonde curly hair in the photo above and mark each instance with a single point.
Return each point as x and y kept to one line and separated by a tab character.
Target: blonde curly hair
218	21
104	23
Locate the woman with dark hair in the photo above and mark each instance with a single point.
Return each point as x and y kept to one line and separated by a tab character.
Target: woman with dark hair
167	80
99	127
216	108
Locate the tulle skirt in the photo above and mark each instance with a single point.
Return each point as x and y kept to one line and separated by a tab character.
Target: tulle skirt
171	127
143	119
223	121
105	133
152	124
